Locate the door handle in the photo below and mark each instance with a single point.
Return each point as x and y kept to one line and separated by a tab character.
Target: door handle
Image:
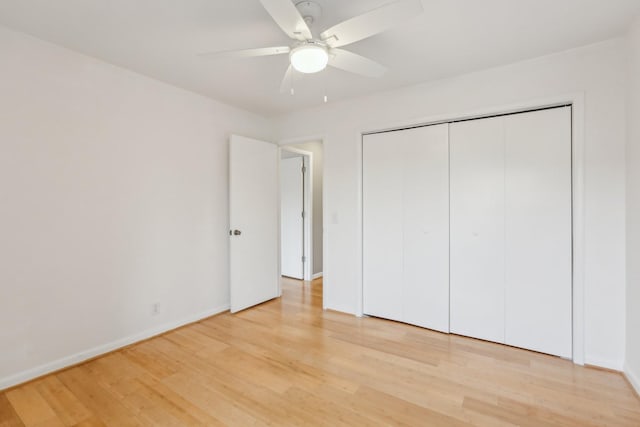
235	232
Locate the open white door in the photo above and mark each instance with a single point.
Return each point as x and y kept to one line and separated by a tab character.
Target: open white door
253	217
291	219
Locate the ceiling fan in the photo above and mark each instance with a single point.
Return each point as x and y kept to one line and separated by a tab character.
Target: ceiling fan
308	54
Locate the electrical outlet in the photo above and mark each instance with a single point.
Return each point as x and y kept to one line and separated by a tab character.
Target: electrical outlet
155	309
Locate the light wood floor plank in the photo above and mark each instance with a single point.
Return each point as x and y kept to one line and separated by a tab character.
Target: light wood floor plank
32	408
63	402
289	363
8	415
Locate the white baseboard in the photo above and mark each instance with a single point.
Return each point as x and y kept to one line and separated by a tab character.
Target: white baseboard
56	365
632	377
316	275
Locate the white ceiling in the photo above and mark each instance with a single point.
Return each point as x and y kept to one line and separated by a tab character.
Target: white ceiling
161	39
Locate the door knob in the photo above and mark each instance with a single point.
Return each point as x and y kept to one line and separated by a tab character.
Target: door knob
236	232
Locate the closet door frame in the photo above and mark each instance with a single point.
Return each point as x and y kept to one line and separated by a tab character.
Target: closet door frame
577	102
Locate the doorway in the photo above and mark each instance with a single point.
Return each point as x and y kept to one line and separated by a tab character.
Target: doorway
301	234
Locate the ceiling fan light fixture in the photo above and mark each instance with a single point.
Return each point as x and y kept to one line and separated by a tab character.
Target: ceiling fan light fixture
309	58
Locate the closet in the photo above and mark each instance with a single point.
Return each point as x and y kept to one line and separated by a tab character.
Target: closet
467	228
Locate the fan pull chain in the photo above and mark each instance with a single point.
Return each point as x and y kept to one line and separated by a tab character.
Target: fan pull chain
324	88
293	92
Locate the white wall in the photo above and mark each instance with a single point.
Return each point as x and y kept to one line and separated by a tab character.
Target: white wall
318	164
598	71
632	367
113	196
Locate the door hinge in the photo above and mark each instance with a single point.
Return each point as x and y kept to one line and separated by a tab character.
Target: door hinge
304	214
304	169
304	258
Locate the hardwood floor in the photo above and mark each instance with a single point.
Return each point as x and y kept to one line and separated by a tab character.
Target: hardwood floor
287	362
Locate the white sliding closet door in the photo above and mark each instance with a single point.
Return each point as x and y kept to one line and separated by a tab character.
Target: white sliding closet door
406	226
382	227
511	230
426	227
538	231
477	229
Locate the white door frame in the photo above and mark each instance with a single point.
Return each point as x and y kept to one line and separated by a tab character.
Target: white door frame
577	101
308	209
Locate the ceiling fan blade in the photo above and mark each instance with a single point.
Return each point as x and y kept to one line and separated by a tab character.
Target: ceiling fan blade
286	85
288	18
246	53
349	61
371	23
